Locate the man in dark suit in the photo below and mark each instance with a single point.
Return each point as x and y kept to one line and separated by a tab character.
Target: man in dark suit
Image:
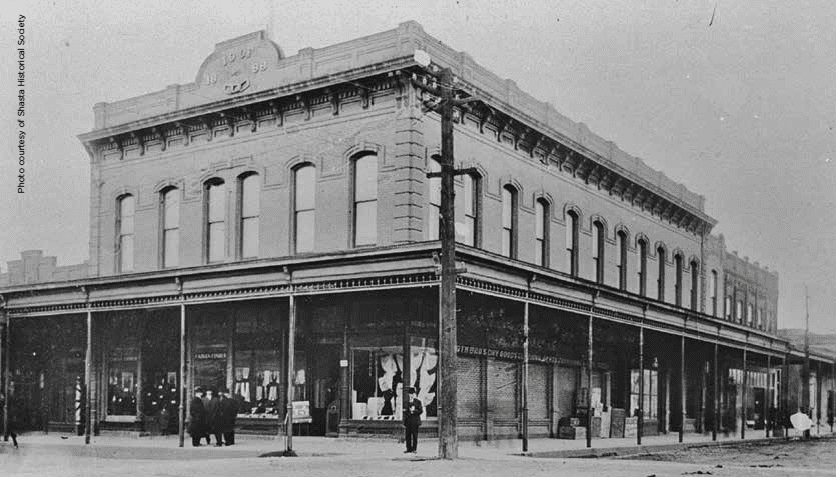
197	417
213	417
412	420
228	409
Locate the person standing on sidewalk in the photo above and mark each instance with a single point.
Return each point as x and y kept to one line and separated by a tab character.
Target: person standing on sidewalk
228	409
213	418
197	418
12	424
412	420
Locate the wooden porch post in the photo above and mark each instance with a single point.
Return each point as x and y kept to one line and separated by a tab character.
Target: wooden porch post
682	385
743	398
291	341
181	411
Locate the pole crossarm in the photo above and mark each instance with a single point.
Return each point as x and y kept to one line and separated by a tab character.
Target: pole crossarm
456	172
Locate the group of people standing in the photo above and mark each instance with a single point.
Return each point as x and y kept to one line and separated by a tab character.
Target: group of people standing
210	414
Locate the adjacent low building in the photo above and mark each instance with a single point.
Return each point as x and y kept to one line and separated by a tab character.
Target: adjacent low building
281	198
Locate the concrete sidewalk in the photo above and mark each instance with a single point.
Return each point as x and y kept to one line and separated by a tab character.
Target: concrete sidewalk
247	446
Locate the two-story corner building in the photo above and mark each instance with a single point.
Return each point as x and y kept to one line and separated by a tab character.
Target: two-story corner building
281	198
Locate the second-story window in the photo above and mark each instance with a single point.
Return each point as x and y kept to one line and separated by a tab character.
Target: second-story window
695	269
250	198
541	233
750	315
467	224
660	283
215	210
434	213
677	286
304	208
572	242
642	267
170	205
728	308
365	200
621	248
509	221
126	206
712	288
598	250
739	311
760	319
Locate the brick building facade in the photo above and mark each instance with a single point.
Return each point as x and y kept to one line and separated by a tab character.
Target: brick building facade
279	187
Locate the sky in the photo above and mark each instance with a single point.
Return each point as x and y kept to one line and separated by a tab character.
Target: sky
735	99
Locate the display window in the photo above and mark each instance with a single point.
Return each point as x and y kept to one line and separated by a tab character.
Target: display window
378	379
122	381
258	364
650	401
211	341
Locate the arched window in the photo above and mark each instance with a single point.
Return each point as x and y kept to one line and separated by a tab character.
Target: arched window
304	208
214	207
750	315
249	213
739	311
467	224
365	200
572	242
621	247
728	308
126	206
434	215
677	286
642	267
170	208
660	282
598	250
695	268
712	288
541	232
509	221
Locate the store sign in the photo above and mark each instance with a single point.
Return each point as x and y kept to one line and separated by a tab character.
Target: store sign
301	411
508	355
211	355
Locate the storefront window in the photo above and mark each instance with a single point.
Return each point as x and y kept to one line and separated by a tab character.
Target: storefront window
257	378
378	379
651	392
122	381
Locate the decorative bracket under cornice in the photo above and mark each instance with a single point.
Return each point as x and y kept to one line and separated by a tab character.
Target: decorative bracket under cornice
140	142
184	131
157	132
229	120
118	143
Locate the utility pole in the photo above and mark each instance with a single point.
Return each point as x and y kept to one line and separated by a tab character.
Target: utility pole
448	443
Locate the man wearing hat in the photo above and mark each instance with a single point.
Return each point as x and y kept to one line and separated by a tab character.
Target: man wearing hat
197	417
412	420
227	409
213	417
